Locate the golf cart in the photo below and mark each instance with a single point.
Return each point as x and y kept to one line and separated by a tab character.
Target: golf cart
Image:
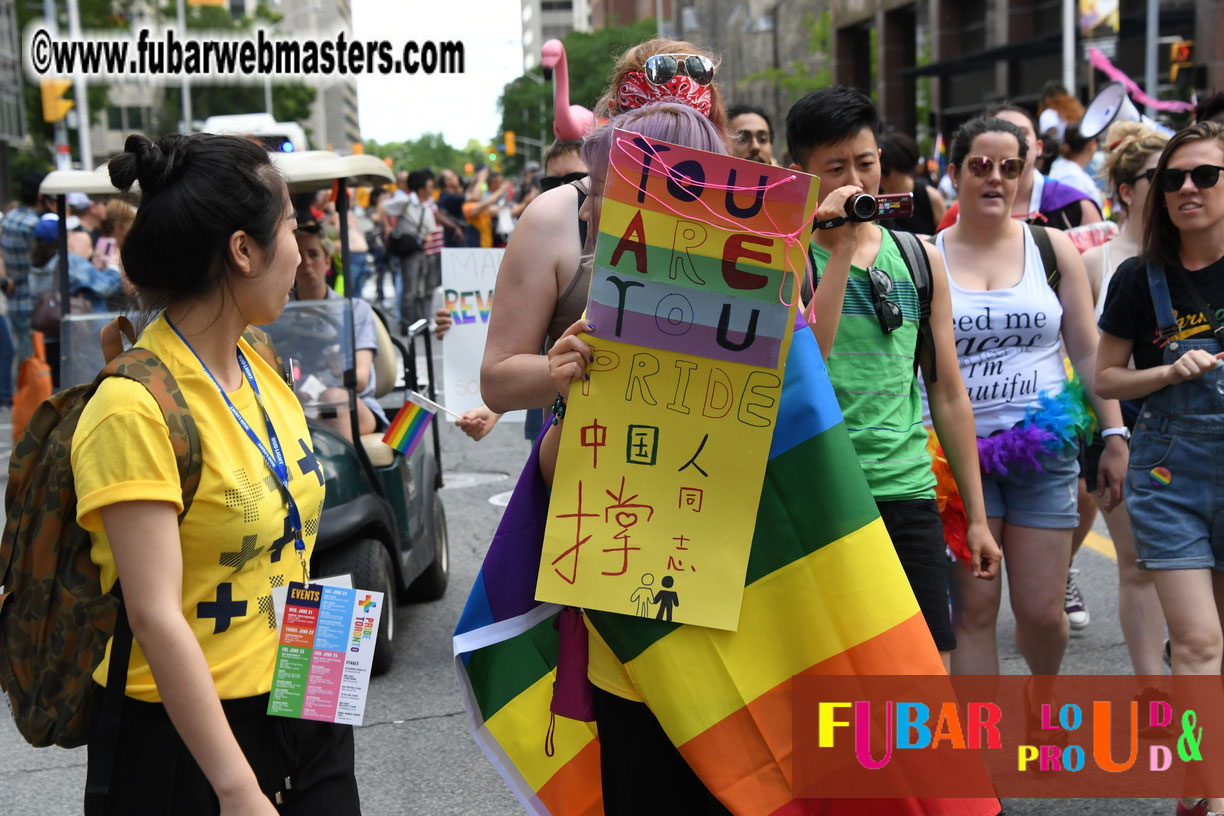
382	521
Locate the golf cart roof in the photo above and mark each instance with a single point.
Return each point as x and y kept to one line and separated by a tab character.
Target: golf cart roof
89	182
317	169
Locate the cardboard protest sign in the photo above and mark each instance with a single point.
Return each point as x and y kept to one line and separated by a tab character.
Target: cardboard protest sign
663	452
469	277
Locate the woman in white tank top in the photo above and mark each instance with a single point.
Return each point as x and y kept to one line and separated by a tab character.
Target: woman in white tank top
1009	327
1132	152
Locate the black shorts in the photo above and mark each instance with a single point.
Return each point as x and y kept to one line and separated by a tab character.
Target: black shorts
1090	460
917	536
641	771
155	774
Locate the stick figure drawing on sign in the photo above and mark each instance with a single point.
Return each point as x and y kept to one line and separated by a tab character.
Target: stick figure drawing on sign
643	596
666	598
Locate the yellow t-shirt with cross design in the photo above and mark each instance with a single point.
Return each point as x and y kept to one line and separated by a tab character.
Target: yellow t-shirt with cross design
236	540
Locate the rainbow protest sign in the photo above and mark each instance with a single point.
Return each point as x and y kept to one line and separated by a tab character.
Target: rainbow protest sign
664	449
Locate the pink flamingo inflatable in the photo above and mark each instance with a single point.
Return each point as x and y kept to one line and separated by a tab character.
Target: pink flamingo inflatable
570	122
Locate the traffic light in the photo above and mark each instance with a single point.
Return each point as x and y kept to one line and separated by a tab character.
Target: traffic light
55	108
492	155
509	142
1181	54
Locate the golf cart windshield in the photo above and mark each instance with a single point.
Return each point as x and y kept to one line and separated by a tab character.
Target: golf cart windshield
313	337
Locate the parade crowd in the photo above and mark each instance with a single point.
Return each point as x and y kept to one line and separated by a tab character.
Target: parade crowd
1009	363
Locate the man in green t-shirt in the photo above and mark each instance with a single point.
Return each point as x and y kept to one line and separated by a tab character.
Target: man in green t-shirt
866	321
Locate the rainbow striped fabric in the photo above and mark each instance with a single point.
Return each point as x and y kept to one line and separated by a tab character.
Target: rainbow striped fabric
824	594
408	428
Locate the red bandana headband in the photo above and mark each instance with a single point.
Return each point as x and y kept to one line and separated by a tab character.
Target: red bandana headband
635	91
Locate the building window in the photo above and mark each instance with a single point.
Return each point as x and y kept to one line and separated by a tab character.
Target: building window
114	119
556	5
688	19
135	118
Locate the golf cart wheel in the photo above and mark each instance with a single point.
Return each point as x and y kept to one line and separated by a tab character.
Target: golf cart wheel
368	561
431	585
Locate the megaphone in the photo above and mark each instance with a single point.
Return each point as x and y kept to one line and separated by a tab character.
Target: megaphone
1111	105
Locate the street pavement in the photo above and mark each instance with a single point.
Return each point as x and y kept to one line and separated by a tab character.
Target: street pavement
415	754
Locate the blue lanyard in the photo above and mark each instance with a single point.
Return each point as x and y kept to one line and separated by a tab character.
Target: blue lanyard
274	460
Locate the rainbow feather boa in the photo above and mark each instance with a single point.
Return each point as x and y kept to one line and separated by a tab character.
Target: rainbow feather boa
1051	425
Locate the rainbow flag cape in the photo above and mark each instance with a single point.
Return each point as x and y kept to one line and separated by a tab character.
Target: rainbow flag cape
408	428
824	594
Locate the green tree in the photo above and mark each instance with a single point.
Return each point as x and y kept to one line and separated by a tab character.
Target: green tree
95	15
291	101
526	103
797	79
431	150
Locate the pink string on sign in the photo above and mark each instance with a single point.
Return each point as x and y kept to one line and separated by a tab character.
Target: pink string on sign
790	239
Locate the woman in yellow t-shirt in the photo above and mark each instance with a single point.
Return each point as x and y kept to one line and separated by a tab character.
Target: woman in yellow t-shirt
212	245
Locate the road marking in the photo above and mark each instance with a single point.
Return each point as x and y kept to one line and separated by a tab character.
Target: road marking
1101	544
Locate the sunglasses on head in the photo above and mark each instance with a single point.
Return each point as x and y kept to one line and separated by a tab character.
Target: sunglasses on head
887	312
553	182
1203	176
982	166
662	68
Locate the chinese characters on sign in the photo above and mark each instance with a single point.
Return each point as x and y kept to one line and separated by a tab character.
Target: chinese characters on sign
664	449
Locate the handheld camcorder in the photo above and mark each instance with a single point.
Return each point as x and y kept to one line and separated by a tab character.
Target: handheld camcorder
868	207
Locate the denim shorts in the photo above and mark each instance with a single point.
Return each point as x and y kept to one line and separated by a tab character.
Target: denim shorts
1172	490
1027	497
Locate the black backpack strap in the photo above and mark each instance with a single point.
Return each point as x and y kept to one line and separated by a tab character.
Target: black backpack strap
1049	259
146	368
104	740
919	265
582	225
806	287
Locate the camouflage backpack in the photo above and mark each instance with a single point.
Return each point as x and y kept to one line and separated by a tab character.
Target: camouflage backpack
55	620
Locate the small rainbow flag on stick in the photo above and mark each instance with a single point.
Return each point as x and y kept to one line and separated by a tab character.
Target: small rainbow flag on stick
409	426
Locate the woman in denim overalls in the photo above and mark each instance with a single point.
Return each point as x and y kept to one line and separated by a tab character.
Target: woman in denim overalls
1171	485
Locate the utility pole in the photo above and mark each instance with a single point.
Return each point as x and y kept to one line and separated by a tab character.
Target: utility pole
1149	52
63	159
186	86
82	100
1068	46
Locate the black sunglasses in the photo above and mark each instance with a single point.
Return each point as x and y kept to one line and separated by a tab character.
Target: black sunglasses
662	68
553	182
1203	176
1146	175
887	312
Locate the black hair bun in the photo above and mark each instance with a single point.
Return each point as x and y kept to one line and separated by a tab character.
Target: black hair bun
154	165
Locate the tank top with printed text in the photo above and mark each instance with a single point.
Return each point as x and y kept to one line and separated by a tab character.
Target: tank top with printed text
1007	342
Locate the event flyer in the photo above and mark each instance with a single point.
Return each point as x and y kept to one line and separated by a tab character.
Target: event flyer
326	649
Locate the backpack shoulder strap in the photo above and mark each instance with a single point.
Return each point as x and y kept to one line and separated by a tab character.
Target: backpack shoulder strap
262	344
582	225
146	368
919	265
1049	259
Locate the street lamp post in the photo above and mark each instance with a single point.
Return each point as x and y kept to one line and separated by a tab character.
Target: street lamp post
312	9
